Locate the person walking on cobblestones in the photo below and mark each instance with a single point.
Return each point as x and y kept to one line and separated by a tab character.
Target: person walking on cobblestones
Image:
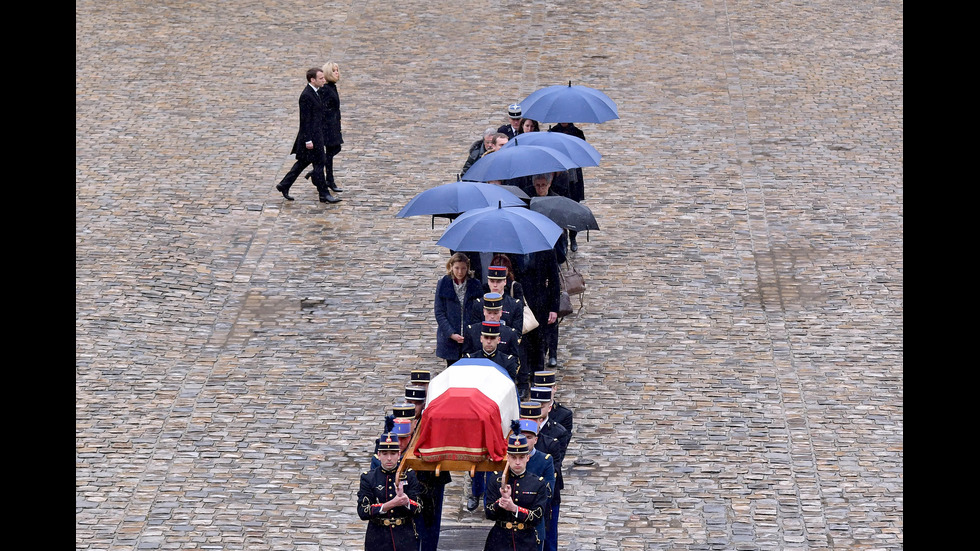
389	508
552	435
454	292
308	146
332	136
517	506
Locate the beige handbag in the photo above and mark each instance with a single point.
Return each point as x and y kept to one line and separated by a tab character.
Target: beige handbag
530	322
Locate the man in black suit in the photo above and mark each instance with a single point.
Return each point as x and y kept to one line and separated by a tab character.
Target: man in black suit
308	146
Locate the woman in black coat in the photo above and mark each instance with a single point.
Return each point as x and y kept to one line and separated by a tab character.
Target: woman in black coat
332	137
454	292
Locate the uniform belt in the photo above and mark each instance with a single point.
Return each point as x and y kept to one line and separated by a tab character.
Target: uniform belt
389	521
513	525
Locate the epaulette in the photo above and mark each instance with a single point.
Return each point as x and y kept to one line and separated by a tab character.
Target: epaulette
365	472
547	455
540	478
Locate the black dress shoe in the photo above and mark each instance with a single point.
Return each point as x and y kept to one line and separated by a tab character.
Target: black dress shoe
552	362
574	246
284	191
334	188
472	503
329	199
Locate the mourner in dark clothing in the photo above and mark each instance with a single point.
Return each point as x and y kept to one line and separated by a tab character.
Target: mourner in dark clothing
454	292
478	148
576	184
308	146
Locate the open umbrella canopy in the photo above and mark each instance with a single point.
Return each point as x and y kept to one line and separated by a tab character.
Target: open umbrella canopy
568	214
456	197
521	160
518	192
574	147
502	230
569	104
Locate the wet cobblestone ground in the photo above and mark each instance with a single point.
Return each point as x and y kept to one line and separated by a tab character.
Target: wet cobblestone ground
737	369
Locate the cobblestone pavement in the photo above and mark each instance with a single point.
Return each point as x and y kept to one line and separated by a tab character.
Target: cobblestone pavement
736	371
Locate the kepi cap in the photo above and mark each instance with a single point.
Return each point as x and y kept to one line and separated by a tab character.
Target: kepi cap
514	111
490	329
497	272
517	444
530	410
529	425
403	411
493	301
414	393
421	375
544	378
388	442
403	427
541	394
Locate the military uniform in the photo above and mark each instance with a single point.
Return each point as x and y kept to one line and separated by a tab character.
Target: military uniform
559	413
511	312
394	529
510	340
541	464
515	531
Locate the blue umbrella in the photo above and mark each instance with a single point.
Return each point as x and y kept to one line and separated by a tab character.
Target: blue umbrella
574	147
453	198
569	104
517	161
501	230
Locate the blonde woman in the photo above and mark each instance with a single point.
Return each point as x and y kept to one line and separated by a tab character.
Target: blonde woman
455	291
332	136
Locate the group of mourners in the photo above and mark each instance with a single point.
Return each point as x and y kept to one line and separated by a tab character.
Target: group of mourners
503	309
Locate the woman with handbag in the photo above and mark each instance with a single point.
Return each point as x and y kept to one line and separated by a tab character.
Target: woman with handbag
454	292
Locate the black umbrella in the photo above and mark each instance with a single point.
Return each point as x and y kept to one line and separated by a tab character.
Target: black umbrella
565	212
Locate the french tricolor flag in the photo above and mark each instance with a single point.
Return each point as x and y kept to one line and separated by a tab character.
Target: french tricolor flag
468	411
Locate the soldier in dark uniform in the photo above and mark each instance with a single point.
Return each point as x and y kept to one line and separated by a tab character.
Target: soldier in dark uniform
549	429
539	463
511	308
559	413
489	339
510	339
389	508
415	395
401	413
516	506
421	377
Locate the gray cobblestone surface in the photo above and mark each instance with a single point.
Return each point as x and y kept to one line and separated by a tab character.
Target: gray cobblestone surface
736	372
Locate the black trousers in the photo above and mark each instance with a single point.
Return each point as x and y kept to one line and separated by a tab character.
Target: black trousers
318	180
328	164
